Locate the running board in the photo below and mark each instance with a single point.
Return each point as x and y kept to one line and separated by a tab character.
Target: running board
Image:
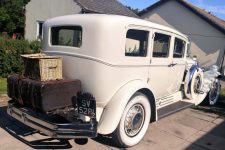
173	108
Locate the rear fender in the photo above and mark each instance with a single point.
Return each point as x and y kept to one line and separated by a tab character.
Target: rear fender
114	109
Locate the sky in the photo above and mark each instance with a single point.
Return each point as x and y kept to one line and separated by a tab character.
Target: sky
216	7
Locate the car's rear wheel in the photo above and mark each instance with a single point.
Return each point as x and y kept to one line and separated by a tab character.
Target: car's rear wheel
134	121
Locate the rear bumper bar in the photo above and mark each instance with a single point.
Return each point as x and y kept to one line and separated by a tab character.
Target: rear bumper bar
54	130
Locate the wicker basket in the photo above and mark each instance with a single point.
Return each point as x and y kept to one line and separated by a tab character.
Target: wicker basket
42	67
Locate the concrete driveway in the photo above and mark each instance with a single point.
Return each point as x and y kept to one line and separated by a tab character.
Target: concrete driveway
188	129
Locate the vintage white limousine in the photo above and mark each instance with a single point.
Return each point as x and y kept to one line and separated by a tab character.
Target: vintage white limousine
137	71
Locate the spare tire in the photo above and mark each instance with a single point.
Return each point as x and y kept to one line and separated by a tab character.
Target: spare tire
193	82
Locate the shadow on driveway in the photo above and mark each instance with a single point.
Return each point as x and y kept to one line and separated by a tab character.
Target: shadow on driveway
214	138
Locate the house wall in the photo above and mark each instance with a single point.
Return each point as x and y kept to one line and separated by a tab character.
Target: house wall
41	10
207	43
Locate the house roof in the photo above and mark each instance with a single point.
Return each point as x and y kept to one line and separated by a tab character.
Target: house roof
208	17
105	7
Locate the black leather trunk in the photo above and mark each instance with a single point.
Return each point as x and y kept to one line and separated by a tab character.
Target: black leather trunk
43	96
13	89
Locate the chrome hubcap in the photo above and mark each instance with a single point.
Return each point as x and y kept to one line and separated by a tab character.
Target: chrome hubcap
197	84
134	120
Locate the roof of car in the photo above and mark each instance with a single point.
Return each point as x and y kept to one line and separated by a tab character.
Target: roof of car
105	7
106	20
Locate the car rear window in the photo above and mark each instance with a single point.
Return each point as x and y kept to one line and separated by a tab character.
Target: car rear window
66	36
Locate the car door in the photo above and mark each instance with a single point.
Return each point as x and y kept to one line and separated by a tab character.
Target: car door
160	70
177	66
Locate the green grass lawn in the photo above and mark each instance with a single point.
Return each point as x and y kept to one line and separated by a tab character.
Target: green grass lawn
3	85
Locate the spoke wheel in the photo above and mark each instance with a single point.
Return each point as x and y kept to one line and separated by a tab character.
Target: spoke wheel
214	93
197	84
134	121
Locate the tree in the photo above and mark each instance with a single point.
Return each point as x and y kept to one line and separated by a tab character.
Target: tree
136	10
12	15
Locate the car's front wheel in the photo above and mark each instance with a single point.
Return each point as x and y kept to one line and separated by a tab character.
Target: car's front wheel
134	121
213	94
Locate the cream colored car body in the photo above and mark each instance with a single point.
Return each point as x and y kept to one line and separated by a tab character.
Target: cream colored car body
104	70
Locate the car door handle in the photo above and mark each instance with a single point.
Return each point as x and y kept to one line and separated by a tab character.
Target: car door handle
172	64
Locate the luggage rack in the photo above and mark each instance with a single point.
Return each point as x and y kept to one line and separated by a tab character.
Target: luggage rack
53	129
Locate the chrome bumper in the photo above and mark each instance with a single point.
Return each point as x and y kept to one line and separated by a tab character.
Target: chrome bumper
54	130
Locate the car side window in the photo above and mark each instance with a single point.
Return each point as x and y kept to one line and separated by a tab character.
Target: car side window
179	48
161	45
136	43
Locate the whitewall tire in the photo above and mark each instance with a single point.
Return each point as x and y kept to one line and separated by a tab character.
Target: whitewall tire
134	121
194	85
214	93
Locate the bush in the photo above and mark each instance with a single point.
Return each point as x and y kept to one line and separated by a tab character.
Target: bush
10	51
35	46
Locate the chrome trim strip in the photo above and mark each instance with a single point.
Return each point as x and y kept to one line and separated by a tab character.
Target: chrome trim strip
103	61
93	59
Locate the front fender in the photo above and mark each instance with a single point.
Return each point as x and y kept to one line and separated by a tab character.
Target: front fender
114	109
